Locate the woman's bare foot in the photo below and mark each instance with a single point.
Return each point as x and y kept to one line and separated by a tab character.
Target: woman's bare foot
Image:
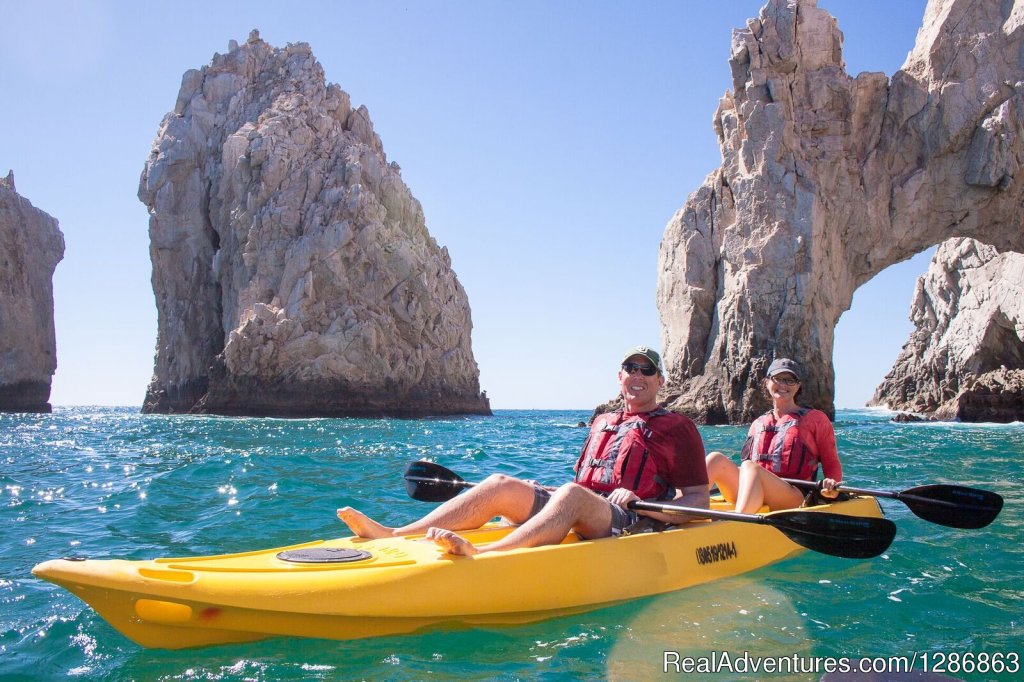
362	525
451	542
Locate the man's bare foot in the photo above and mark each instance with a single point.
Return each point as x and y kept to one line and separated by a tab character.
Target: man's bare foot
362	525
451	542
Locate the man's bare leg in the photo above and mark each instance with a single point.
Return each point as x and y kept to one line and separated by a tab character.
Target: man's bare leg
362	525
572	507
497	495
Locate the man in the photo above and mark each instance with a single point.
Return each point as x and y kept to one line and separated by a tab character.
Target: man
639	449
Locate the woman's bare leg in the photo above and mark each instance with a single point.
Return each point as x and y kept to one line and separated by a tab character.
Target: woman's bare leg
758	486
723	473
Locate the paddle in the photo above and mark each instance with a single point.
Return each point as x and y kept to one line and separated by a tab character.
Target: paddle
852	537
429	482
949	505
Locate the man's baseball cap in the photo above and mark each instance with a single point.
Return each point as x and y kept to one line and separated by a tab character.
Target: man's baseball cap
784	365
648	353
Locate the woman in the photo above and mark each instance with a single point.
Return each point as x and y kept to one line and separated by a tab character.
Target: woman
788	441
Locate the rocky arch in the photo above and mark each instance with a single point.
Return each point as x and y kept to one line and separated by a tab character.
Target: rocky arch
828	179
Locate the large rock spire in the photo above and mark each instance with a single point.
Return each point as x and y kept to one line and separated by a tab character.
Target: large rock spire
31	245
293	271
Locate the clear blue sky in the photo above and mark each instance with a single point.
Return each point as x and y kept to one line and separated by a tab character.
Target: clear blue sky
549	143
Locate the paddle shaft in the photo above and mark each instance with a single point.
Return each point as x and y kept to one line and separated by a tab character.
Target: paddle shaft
903	496
955	506
814	485
441	481
835	534
636	505
667	508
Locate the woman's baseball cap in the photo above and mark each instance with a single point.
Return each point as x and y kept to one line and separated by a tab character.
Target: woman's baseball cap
784	365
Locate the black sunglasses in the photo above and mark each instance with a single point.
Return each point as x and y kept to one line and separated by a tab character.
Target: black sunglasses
646	370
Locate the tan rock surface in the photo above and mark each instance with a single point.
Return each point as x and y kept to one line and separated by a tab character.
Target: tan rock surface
31	245
966	354
292	267
828	179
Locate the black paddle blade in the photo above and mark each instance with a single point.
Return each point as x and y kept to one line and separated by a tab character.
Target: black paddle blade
953	505
429	482
850	537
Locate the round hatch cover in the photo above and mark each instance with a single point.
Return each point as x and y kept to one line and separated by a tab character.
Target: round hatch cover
323	555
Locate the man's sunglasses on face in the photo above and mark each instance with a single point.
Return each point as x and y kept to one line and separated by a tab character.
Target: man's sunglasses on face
646	370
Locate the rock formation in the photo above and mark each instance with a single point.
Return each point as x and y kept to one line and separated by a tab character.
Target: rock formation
965	358
825	181
31	245
292	268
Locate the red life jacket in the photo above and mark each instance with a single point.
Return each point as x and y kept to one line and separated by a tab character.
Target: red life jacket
616	455
777	447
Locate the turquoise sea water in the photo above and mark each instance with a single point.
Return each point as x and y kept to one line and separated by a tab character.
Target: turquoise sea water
109	482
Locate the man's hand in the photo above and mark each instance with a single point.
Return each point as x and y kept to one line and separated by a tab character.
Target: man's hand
622	497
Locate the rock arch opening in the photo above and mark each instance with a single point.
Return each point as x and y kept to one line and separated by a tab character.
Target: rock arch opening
871	334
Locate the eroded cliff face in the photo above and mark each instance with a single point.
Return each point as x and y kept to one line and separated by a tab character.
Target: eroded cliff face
825	181
965	358
292	268
31	245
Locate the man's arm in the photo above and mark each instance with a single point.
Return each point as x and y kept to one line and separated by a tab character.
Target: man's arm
693	496
690	496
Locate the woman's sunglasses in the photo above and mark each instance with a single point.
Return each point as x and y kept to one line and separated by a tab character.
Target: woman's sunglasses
646	370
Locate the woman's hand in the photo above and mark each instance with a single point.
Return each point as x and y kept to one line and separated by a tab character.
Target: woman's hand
622	497
828	488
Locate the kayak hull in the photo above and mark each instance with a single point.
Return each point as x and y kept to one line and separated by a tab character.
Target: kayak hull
404	585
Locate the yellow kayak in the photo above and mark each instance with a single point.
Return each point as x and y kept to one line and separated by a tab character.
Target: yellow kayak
351	588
